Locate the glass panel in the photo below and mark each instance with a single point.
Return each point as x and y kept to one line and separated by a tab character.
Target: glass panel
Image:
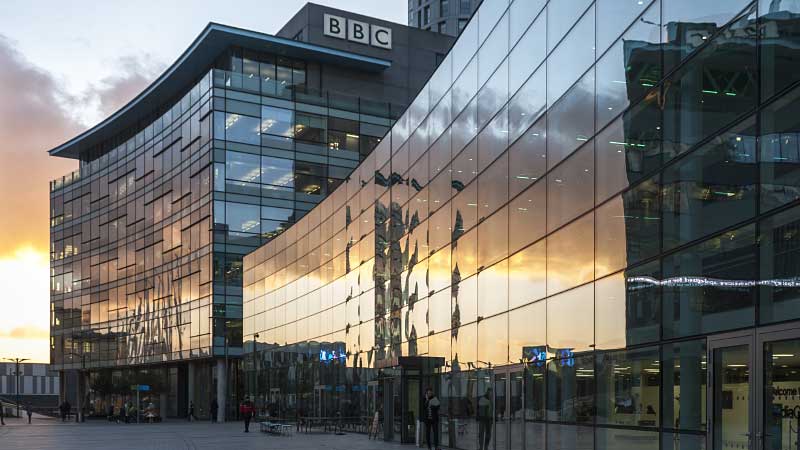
573	56
277	171
527	105
493	50
570	390
570	188
527	335
527	55
561	16
781	388
527	157
709	286
527	215
628	388
515	412
522	12
779	264
567	330
779	151
732	398
625	227
501	411
628	298
713	187
710	93
779	57
241	128
684	391
621	439
628	149
570	123
570	255
632	66
689	24
242	167
277	121
493	340
614	16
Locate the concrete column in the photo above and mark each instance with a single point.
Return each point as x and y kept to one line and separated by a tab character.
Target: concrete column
162	405
190	386
222	389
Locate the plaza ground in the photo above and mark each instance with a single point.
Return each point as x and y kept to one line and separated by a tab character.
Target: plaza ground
171	435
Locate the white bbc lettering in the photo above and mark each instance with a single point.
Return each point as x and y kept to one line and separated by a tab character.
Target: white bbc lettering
356	31
381	37
335	26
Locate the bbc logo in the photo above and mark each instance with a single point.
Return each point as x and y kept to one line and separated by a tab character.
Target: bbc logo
360	32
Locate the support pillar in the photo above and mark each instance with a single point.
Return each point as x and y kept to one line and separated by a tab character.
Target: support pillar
222	388
190	386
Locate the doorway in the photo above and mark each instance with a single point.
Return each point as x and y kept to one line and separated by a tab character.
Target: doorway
754	393
509	408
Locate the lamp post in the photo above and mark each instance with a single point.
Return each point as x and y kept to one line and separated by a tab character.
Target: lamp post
16	362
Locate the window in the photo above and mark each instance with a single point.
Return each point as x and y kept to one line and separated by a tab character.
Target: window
780	260
311	128
427	15
245	129
708	286
444	8
277	171
465	7
461	24
243	218
242	167
780	151
277	121
310	179
442	27
628	387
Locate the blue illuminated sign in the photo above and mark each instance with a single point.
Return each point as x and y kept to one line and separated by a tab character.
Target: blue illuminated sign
331	355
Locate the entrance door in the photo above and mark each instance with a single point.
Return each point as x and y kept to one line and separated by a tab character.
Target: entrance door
754	393
779	395
731	392
509	408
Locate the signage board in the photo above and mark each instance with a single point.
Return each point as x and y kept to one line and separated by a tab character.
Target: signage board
357	31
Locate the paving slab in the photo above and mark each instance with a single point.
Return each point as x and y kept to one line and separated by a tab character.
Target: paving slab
47	434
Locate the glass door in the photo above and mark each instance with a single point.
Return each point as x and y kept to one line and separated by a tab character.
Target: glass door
509	409
779	393
731	393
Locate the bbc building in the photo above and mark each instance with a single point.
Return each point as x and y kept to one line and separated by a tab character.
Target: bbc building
583	233
241	137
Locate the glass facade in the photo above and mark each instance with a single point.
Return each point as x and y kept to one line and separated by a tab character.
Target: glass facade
582	234
147	238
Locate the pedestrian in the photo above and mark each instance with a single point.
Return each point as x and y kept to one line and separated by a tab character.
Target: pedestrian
110	412
191	412
431	419
214	410
246	409
29	411
2	414
123	413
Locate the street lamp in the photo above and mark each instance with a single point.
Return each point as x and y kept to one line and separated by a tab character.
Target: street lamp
16	362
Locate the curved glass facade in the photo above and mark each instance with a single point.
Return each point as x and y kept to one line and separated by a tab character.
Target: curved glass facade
583	198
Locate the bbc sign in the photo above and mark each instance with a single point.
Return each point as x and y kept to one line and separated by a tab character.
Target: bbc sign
355	31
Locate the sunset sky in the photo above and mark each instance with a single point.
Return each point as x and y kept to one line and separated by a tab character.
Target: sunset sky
63	68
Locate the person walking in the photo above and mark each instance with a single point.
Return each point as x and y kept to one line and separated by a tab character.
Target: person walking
123	413
29	411
246	409
431	419
2	414
191	416
214	410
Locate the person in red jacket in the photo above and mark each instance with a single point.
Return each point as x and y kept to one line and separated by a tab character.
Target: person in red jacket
246	409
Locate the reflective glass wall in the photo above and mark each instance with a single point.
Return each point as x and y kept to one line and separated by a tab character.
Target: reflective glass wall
585	189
